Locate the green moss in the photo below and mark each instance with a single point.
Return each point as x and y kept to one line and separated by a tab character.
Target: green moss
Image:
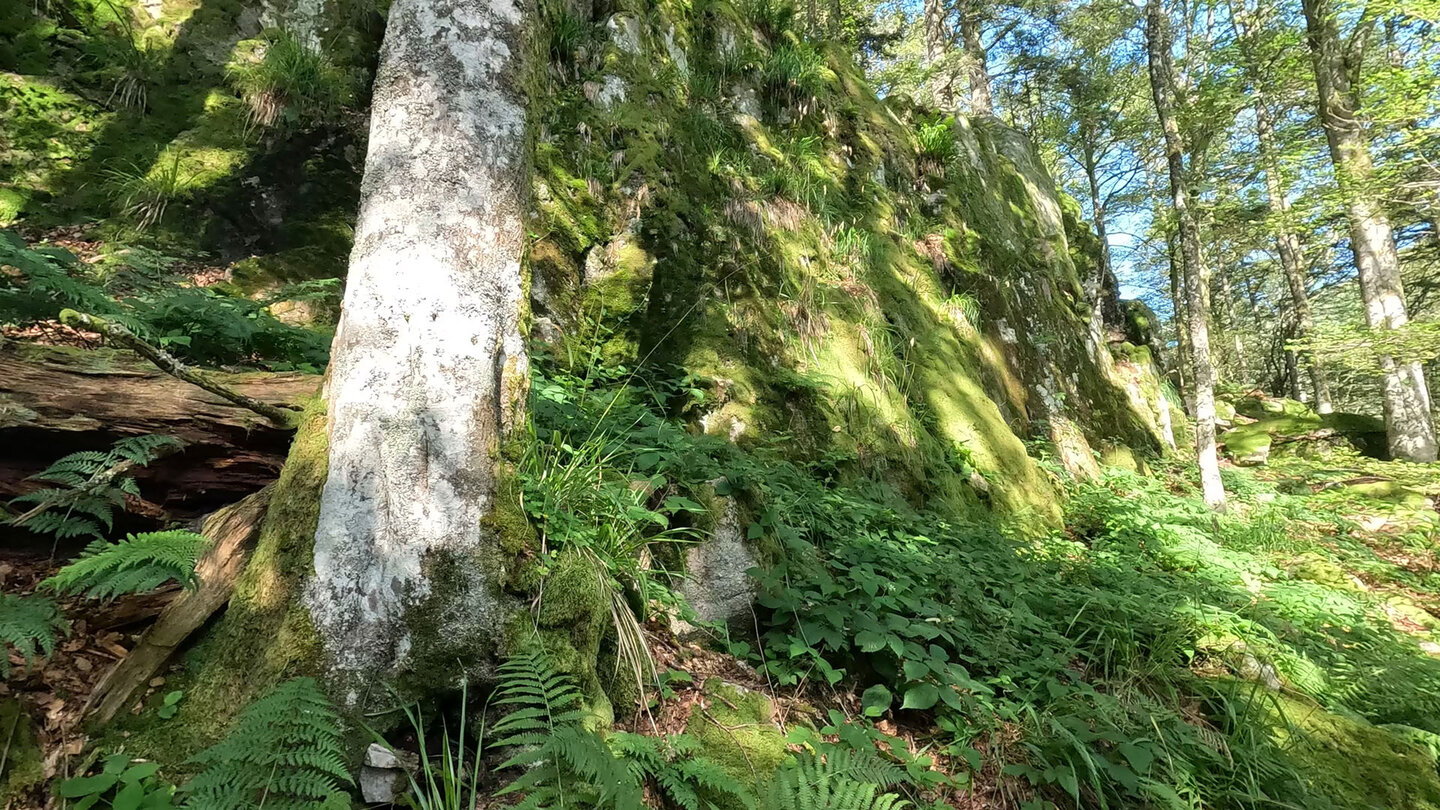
1262	407
12	204
737	730
265	635
571	622
1322	570
1124	457
1357	765
1390	492
1247	444
24	761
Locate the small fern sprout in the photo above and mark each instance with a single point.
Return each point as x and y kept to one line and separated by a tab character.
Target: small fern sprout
29	625
137	564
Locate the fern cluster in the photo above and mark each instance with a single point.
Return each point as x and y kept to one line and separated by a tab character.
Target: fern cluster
139	563
284	753
87	487
838	781
563	762
29	625
43	286
675	765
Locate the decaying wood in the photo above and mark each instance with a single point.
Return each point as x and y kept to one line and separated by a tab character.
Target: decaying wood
232	532
55	401
167	363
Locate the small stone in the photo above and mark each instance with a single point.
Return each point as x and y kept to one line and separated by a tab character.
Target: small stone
378	756
716	583
381	785
157	681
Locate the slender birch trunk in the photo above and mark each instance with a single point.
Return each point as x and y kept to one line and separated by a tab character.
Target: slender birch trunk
1197	311
429	369
1104	274
1408	426
1287	242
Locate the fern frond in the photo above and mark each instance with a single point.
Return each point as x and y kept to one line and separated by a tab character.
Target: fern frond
87	487
141	450
285	751
29	625
812	783
139	563
62	526
543	732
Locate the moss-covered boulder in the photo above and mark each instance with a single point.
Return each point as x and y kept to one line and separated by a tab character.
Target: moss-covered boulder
737	729
929	277
1358	765
1294	429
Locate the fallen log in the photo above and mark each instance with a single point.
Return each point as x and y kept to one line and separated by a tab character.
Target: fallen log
232	532
56	400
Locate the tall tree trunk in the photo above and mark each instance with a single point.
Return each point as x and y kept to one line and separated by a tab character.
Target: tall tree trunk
1287	242
976	72
936	44
1182	340
429	369
1104	280
1408	427
1197	311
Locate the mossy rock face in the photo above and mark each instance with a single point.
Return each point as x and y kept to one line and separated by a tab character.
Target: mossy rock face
1123	457
24	762
737	730
1247	445
674	257
1141	322
1262	407
1224	412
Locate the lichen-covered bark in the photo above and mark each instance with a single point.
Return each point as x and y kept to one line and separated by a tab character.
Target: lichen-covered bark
428	367
1408	426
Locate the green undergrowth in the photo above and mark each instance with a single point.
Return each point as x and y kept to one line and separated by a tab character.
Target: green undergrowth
1152	653
188	129
142	290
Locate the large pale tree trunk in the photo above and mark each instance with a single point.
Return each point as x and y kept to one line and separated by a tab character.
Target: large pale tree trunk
1408	427
429	369
977	73
1197	313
